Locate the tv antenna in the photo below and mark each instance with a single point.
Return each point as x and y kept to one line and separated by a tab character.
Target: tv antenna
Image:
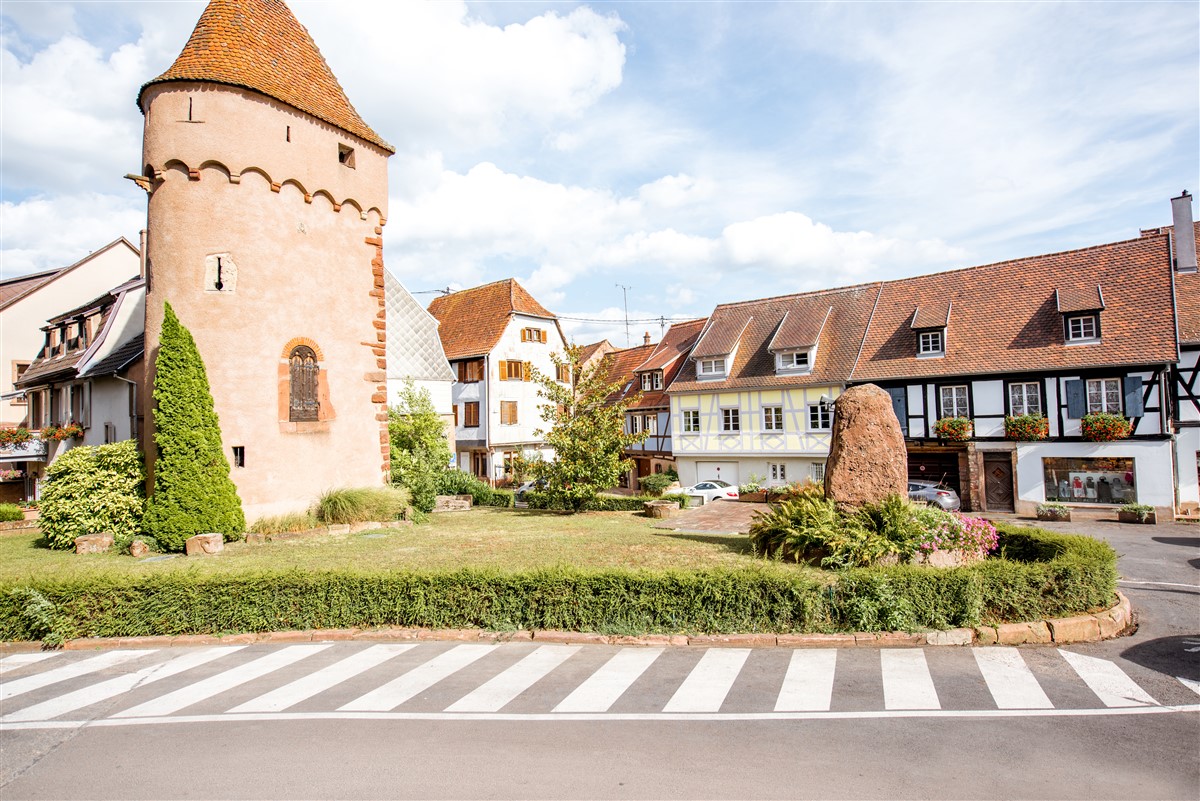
625	295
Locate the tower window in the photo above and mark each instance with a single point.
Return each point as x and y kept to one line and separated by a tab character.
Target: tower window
289	133
303	368
346	156
239	455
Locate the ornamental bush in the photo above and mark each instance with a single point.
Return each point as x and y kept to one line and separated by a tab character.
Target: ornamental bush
655	483
363	505
1104	427
10	513
954	429
193	493
1026	427
90	490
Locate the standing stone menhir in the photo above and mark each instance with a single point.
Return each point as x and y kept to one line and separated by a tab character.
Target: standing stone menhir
867	458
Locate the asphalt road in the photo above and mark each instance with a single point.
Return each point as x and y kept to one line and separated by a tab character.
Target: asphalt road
443	720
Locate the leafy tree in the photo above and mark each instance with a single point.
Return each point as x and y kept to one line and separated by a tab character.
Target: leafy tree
586	431
420	453
89	490
193	493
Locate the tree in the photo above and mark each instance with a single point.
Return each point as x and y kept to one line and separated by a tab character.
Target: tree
587	432
193	493
419	450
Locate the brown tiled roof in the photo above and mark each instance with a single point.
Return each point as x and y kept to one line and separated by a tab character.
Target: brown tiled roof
722	335
754	365
932	313
586	352
62	361
1187	304
1006	315
799	332
620	365
473	320
676	343
12	288
1079	298
259	45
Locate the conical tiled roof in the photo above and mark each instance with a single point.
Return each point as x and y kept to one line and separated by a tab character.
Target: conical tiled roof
259	45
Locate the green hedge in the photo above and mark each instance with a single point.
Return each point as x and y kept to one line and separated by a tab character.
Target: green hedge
1079	576
601	503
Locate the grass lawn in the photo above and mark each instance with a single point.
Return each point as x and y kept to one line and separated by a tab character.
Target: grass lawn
506	539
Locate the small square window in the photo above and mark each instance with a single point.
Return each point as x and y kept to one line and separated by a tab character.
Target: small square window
731	420
794	361
818	471
778	472
508	413
772	418
931	343
1082	328
658	380
645	382
346	156
820	417
691	421
712	367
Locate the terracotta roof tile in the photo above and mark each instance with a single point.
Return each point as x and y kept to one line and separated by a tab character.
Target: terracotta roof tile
754	366
259	45
1079	299
932	313
1006	315
12	288
799	331
620	365
722	336
473	320
1187	299
675	344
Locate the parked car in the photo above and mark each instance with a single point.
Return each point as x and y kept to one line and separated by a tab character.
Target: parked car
537	484
933	494
712	490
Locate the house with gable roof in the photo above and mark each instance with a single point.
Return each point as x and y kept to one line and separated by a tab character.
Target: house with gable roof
1061	335
754	395
494	335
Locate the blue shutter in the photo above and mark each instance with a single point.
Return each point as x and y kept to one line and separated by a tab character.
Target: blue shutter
1076	399
1133	396
900	407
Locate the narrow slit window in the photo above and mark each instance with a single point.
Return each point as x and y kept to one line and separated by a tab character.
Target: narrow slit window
239	455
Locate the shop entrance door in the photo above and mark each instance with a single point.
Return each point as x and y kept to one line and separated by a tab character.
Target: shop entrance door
998	482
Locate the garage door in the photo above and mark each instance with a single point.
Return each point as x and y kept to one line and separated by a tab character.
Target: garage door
724	471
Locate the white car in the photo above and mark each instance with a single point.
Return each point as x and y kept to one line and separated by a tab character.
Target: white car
712	490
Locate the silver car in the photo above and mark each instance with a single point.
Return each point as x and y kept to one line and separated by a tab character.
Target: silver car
933	494
712	490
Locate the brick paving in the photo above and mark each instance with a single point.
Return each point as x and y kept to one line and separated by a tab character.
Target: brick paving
718	517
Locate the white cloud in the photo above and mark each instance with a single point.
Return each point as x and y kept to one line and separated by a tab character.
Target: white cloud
53	232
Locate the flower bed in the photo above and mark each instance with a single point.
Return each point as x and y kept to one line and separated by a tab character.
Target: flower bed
1104	427
954	429
1026	427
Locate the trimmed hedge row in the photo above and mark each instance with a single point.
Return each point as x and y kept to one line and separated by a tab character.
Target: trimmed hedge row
601	503
1079	576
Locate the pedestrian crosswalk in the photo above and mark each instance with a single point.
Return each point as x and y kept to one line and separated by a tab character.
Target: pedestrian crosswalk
558	682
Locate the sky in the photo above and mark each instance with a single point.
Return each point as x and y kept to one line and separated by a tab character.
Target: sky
661	156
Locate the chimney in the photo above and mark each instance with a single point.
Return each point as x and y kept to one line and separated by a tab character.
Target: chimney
646	338
1185	233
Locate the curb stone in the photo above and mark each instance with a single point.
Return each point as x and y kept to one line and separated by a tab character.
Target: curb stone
1103	625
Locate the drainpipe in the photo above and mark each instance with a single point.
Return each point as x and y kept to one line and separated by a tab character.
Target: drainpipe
142	254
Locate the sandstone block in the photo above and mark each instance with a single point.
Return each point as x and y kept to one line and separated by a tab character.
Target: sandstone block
586	637
1110	624
662	509
1084	628
255	538
734	640
1018	633
138	548
339	528
951	637
203	544
93	543
452	503
986	635
814	640
867	459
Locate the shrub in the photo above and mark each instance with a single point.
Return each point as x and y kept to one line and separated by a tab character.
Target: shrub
456	482
801	529
683	500
93	489
362	505
1104	427
954	429
655	483
1140	509
1054	511
419	451
753	483
538	499
10	512
193	493
973	536
282	524
1026	427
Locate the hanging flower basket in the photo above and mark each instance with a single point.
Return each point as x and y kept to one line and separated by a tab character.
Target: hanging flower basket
954	429
1026	427
1104	427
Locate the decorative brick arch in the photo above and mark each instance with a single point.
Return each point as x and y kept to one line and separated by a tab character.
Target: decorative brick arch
294	341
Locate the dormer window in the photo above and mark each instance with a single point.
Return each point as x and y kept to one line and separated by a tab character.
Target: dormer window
931	343
711	368
1083	328
657	379
645	382
798	360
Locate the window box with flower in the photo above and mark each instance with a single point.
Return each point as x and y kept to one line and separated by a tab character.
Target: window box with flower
14	436
954	429
1026	427
1104	427
60	433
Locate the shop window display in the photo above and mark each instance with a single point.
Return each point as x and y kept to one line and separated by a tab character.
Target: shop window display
1090	480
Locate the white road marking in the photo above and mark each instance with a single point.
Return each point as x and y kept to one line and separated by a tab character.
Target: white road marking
493	695
304	688
906	680
705	688
808	685
602	689
10	663
1009	680
214	685
121	684
1159	583
1107	681
11	689
1194	686
417	680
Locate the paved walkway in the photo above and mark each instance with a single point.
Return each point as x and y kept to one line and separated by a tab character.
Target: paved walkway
718	517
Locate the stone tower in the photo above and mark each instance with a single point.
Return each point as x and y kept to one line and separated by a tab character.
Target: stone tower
267	200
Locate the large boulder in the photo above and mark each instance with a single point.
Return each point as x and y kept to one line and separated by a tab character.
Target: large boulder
867	458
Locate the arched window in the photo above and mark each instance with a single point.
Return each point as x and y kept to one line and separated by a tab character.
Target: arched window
303	404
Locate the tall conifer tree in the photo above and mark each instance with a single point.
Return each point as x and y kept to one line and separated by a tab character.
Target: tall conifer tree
193	493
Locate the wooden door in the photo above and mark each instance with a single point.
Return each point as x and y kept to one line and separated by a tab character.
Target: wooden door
998	482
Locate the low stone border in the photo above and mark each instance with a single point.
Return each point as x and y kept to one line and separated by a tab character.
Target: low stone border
253	538
18	525
1061	631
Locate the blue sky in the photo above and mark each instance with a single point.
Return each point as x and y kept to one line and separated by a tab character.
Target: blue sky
698	153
